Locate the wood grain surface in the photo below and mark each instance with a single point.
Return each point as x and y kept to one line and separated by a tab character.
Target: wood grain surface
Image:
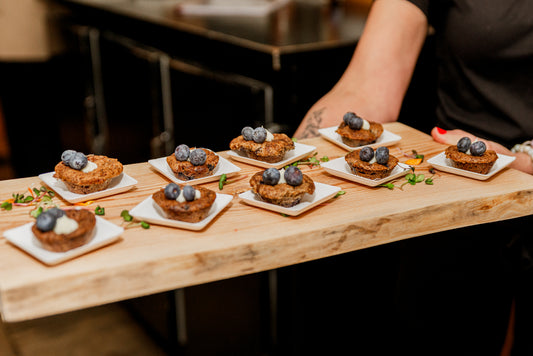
245	239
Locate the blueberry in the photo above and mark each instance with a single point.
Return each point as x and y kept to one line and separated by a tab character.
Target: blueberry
247	133
56	212
67	155
189	193
78	161
260	135
271	176
353	121
172	191
348	116
46	221
293	176
198	157
478	148
366	154
464	144
182	152
382	155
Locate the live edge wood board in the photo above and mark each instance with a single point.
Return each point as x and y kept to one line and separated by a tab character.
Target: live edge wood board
245	239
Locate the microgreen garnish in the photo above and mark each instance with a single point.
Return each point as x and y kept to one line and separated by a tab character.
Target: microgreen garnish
36	197
99	210
418	155
412	179
294	139
129	219
312	161
223	180
36	212
339	193
126	215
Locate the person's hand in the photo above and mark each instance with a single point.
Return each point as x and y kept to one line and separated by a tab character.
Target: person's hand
450	137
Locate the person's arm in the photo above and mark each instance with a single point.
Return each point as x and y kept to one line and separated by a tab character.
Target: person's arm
374	83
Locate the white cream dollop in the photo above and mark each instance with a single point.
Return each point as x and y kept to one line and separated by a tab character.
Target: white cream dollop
270	136
366	125
282	176
181	198
65	225
90	166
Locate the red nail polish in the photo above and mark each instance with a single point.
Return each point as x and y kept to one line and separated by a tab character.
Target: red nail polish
441	131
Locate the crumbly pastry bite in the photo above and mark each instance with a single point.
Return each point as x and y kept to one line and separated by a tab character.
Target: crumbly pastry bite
184	203
63	230
285	187
262	145
369	164
471	156
83	174
356	131
192	163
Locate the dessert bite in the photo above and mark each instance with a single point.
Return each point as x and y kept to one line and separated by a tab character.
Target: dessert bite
192	163
285	187
63	230
471	156
261	144
356	131
369	164
184	203
83	174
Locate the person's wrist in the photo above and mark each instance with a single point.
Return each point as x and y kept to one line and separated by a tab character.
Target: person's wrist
524	148
524	155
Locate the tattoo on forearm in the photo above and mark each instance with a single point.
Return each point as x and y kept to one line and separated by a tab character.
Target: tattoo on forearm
313	124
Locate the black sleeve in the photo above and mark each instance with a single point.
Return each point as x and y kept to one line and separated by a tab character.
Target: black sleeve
422	5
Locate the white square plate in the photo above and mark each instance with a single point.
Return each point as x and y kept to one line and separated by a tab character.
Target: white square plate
387	138
442	163
22	237
300	151
322	193
148	211
118	184
223	167
338	167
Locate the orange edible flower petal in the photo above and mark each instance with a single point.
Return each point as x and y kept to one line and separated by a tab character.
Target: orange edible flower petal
89	202
413	161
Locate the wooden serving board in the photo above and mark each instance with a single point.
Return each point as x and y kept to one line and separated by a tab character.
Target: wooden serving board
244	239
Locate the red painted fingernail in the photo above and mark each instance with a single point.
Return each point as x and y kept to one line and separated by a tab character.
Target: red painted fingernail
441	131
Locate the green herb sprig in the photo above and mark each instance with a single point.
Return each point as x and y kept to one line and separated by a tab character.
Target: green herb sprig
312	161
125	214
223	180
412	179
42	196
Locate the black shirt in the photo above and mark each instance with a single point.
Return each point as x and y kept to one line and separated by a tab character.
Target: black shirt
485	66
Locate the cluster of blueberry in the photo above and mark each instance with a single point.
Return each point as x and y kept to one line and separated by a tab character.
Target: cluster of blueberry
258	135
292	175
197	156
353	121
172	191
477	148
73	159
367	153
46	221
